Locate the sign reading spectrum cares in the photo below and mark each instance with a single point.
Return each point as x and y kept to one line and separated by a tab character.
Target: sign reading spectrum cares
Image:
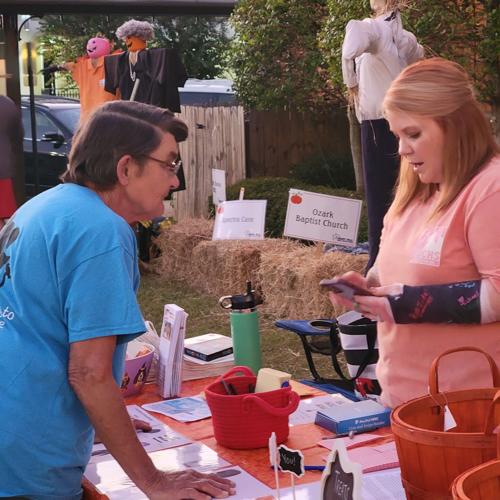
321	217
240	220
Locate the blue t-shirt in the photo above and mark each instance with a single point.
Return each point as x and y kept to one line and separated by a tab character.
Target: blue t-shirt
68	272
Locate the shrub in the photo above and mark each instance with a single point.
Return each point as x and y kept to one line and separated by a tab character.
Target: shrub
326	170
275	191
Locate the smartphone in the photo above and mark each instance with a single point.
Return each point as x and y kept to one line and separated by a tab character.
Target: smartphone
344	287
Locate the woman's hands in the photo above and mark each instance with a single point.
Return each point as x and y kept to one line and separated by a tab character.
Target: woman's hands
375	307
188	484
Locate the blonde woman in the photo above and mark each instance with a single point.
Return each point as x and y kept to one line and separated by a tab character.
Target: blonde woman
437	277
374	52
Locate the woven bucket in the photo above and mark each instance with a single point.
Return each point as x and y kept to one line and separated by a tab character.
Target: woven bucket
430	458
479	483
247	420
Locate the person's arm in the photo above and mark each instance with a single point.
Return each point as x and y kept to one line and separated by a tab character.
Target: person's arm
360	37
409	48
474	301
90	375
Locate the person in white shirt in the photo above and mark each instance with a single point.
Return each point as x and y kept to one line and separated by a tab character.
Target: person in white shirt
374	52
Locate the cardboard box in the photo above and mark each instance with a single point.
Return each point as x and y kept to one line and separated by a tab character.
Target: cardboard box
360	416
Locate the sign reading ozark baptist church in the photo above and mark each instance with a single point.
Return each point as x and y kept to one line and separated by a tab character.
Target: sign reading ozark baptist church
320	217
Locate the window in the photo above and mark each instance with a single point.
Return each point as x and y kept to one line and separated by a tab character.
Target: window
44	125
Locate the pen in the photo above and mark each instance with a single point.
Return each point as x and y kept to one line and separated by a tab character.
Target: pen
226	387
314	467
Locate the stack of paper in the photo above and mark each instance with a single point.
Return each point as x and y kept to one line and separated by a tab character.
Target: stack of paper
160	436
196	368
171	350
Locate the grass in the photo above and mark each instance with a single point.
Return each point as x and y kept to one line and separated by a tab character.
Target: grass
280	349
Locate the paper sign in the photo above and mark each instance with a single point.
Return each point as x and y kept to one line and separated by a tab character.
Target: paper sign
218	186
240	220
291	461
320	217
341	478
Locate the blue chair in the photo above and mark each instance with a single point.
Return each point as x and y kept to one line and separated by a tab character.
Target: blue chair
319	337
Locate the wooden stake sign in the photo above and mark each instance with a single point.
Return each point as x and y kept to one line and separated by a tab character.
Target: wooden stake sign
341	478
291	461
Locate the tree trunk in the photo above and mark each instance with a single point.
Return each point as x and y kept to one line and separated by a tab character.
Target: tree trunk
355	137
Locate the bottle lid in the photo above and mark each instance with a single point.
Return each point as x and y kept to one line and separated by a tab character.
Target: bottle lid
249	300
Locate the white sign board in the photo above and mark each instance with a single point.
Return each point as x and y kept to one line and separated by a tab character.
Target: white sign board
320	217
218	186
240	220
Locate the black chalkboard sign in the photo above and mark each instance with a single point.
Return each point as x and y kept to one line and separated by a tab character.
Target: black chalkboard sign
341	478
291	461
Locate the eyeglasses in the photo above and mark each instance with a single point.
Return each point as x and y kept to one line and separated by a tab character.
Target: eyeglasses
172	166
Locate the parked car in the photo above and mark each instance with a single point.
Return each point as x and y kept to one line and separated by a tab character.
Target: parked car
57	119
56	122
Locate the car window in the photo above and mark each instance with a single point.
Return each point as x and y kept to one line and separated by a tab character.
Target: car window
69	117
44	125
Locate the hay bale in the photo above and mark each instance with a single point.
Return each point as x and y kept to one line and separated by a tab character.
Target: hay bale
290	281
222	267
176	246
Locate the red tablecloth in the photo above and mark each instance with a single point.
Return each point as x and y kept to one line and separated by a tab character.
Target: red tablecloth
256	462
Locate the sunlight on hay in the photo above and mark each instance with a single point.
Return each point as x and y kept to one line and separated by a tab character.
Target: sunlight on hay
176	245
223	267
291	281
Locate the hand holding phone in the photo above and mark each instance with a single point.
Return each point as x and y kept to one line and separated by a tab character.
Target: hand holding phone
344	287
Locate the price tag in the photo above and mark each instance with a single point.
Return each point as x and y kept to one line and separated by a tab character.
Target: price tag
449	420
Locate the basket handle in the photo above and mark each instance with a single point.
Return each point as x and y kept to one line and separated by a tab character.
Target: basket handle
433	372
237	369
293	403
489	426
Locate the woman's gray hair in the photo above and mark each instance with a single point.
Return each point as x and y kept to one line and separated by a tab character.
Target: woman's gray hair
116	129
140	29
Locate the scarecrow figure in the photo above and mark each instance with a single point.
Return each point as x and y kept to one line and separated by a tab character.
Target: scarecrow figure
374	52
145	75
88	73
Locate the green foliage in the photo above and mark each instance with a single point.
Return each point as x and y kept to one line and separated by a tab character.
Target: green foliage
275	191
467	33
275	55
326	170
201	41
331	36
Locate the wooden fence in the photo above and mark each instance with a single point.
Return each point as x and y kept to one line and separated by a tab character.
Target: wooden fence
216	140
260	143
277	140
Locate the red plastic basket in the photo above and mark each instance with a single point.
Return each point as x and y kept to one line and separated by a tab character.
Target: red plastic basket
247	420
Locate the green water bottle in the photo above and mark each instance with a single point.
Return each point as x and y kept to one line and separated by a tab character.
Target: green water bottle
244	320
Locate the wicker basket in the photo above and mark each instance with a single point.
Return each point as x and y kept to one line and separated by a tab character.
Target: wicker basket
479	483
430	458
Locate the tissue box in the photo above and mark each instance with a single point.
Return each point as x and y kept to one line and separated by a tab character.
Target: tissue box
359	416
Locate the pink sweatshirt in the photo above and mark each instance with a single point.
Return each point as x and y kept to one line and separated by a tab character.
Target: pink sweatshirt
463	244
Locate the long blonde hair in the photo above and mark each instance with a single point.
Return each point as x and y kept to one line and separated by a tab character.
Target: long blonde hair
440	89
